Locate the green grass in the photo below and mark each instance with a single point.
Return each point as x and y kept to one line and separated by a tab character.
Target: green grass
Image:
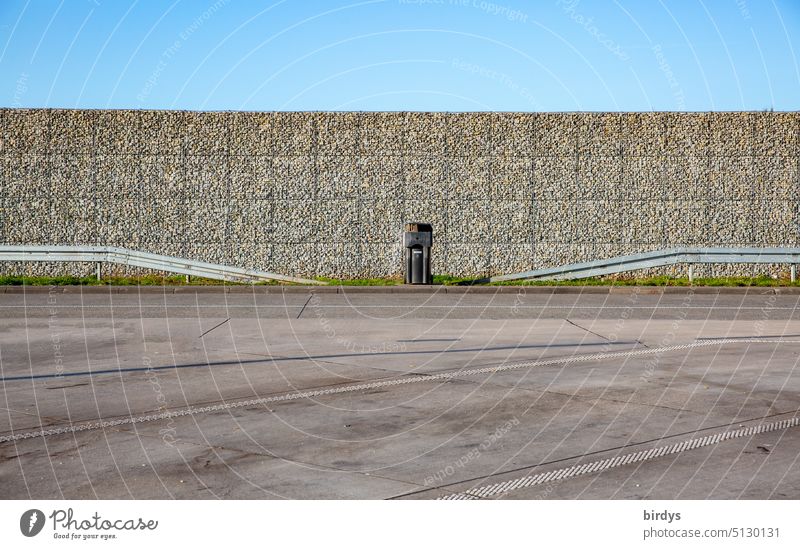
454	280
445	280
362	281
179	280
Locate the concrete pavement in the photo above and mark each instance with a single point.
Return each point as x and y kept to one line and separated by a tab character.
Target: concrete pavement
401	395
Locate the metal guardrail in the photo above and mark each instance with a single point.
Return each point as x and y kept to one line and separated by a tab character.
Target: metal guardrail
661	258
123	256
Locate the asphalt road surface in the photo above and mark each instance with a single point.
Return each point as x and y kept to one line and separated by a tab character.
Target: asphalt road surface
533	394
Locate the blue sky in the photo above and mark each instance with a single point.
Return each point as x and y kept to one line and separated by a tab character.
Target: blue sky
443	55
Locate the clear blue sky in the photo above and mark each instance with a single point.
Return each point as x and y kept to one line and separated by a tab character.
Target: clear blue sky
448	55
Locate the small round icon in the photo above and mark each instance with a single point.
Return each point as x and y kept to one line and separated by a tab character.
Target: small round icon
31	522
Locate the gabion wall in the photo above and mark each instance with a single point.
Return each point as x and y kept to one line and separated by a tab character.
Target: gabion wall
328	193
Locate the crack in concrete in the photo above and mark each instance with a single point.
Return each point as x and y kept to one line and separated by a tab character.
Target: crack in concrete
588	330
310	297
214	328
601	336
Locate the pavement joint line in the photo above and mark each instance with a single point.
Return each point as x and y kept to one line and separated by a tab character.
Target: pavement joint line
407	380
507	486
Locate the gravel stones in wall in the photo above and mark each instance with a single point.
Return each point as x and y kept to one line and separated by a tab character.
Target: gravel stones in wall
327	194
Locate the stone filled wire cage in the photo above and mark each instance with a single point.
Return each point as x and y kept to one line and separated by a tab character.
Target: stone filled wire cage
327	194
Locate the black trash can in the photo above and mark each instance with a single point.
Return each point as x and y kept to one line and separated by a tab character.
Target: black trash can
418	239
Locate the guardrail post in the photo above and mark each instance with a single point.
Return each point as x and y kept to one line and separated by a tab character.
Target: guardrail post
691	273
97	270
793	271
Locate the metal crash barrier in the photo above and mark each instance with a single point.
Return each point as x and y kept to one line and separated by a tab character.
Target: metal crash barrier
662	258
133	258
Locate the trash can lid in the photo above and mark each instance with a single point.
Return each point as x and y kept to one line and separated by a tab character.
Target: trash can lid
419	227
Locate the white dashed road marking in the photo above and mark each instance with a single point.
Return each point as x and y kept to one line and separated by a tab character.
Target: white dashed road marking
407	380
610	463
